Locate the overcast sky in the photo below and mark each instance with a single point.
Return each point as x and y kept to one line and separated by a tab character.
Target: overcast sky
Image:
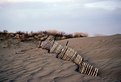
90	16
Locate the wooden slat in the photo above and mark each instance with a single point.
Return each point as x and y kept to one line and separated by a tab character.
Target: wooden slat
95	72
89	66
83	68
47	44
52	50
74	55
61	54
59	49
69	54
86	67
92	71
65	57
78	60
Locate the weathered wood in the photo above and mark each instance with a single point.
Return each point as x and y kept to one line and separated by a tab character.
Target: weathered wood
43	44
74	56
78	60
69	54
92	71
47	44
80	68
83	67
65	53
86	67
61	54
39	45
95	72
58	49
89	66
67	43
52	50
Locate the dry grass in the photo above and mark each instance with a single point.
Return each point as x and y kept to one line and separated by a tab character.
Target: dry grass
80	34
40	35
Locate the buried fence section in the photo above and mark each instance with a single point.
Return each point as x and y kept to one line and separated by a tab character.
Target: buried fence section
47	44
63	51
96	72
59	49
56	48
69	54
88	69
92	72
66	55
78	59
83	68
55	45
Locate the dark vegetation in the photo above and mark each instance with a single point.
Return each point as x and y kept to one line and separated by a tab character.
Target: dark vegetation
40	35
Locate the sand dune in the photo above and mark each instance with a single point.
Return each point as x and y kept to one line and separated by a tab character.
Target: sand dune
25	62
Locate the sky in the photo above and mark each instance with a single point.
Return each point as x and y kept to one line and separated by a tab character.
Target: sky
88	16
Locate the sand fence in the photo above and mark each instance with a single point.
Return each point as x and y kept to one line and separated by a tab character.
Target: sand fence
69	54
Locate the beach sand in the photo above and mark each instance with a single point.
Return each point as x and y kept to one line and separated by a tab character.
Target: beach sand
24	62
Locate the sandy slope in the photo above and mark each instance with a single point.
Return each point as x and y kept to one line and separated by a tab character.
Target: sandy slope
102	52
25	62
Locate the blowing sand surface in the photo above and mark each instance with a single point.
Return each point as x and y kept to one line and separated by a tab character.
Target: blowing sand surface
24	62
